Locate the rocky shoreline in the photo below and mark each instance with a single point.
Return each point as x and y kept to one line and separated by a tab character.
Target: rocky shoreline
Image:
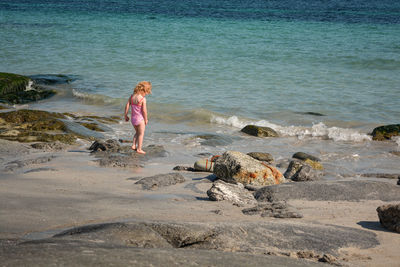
60	175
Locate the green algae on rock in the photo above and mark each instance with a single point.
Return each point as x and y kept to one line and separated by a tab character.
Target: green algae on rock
39	126
385	132
259	131
18	89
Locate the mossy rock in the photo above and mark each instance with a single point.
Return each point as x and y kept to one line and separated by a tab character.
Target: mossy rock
12	83
386	132
91	126
259	131
36	126
314	164
27	115
13	89
303	156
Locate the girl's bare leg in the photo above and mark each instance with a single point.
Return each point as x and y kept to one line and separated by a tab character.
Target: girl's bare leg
140	134
135	139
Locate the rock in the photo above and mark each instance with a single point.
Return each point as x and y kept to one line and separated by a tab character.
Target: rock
41	126
12	83
236	167
16	164
328	259
183	168
398	181
161	180
300	171
51	79
109	145
314	164
116	155
303	156
312	113
389	216
261	156
52	146
259	131
397	153
275	209
330	191
18	89
254	238
382	175
235	193
385	132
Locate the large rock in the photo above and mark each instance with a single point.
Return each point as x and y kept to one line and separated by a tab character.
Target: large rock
300	171
330	191
235	193
161	180
255	238
386	132
236	167
42	126
18	89
260	131
389	216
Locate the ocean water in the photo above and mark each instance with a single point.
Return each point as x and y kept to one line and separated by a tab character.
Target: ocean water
321	73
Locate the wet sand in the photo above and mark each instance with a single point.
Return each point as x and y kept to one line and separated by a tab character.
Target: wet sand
71	190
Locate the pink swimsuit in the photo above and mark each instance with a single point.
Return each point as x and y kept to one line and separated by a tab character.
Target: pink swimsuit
136	114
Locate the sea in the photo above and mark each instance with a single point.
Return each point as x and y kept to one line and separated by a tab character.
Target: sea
323	74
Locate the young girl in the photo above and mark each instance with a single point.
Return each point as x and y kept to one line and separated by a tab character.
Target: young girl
137	102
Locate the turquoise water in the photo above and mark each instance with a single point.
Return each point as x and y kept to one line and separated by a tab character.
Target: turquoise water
218	65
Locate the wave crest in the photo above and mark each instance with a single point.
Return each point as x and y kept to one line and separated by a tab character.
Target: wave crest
319	130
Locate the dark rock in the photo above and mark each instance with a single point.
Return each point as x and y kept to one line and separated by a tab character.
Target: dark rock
236	167
12	83
52	79
235	193
109	145
300	171
381	175
312	113
328	259
161	180
18	89
218	212
275	209
398	181
386	132
330	191
261	156
184	168
260	131
389	216
303	156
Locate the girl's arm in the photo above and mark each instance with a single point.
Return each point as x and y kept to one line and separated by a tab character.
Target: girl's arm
127	106
144	111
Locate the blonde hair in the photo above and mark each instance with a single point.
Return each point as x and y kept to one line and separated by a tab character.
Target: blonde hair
144	87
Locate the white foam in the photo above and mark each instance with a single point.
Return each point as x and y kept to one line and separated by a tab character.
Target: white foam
396	139
319	130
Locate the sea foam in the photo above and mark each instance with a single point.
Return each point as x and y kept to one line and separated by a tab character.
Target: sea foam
319	130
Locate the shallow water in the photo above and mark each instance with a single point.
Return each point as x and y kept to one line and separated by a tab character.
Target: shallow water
219	65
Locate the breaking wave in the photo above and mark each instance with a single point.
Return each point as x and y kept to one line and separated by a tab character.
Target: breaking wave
319	130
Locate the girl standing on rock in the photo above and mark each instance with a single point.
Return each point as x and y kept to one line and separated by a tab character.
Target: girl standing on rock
137	102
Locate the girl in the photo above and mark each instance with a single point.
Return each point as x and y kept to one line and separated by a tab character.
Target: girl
137	102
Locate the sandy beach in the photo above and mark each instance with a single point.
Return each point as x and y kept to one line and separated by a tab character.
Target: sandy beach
71	190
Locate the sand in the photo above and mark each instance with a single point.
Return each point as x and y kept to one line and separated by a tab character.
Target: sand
40	200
